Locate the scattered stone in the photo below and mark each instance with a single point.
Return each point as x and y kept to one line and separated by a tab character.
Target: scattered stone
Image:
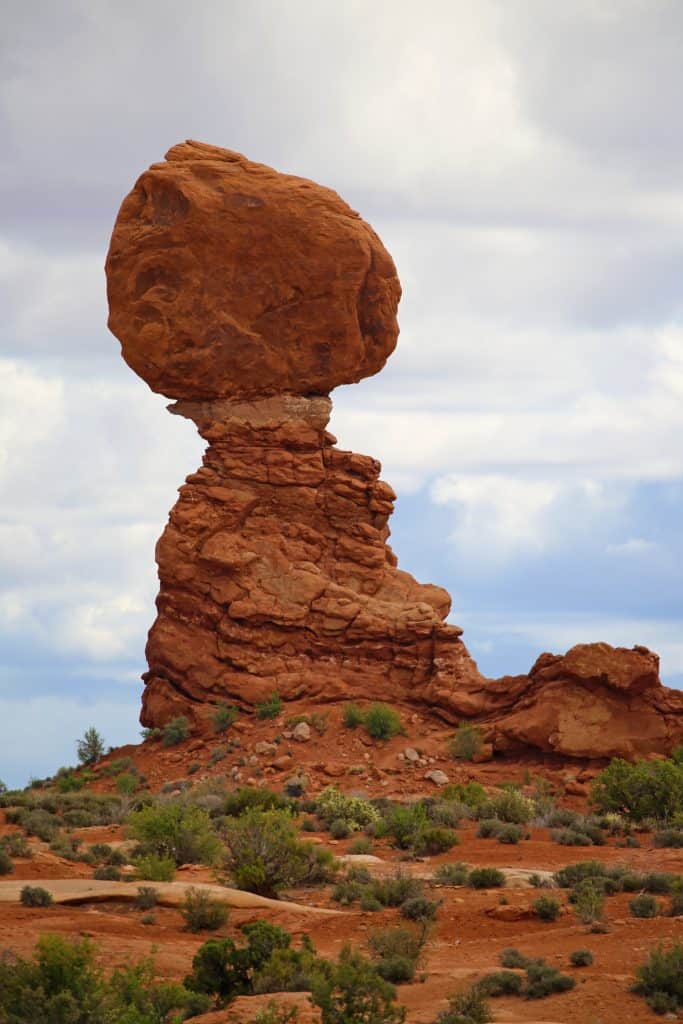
411	755
436	776
485	753
301	732
281	762
264	747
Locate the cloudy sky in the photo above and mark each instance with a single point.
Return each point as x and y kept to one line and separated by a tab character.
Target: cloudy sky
522	161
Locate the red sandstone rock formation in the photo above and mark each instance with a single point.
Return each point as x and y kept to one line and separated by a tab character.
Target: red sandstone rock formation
248	295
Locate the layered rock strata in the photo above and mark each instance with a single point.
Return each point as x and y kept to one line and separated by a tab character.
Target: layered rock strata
248	295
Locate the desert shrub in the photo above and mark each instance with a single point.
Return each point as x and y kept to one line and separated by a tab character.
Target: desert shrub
671	837
339	829
643	906
581	958
501	983
540	881
660	979
148	918
572	874
66	846
223	717
514	959
248	798
472	794
152	868
146	898
446	812
90	748
175	731
265	855
397	951
488	828
510	834
546	908
369	903
180	831
202	912
6	865
419	909
451	874
331	805
319	722
486	878
659	882
404	823
570	837
269	708
310	825
508	805
589	902
35	896
14	844
431	841
154	733
127	783
382	722
352	716
67	781
467	742
644	789
361	845
273	1013
118	765
561	817
40	823
467	1007
544	980
353	992
62	984
394	890
107	873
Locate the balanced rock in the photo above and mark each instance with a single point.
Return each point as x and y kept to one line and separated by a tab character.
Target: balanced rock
248	295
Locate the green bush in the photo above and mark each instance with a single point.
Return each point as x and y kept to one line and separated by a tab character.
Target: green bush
544	980
510	834
107	873
248	798
91	747
643	906
570	837
581	958
514	959
331	805
467	742
35	896
419	909
501	983
175	731
671	837
486	878
660	979
451	874
127	783
488	828
382	722
146	898
265	855
467	1007
180	831
546	908
273	1013
353	992
14	844
352	716
508	805
152	868
589	902
397	951
644	789
223	717
339	829
361	845
472	794
270	708
431	841
201	912
6	865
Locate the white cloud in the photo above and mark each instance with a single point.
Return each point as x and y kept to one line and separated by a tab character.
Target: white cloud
632	546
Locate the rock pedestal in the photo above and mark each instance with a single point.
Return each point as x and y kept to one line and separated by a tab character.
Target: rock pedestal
247	296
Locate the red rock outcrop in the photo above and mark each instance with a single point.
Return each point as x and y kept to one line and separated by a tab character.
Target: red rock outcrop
248	295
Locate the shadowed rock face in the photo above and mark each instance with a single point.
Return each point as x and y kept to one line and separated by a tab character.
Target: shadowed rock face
248	295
